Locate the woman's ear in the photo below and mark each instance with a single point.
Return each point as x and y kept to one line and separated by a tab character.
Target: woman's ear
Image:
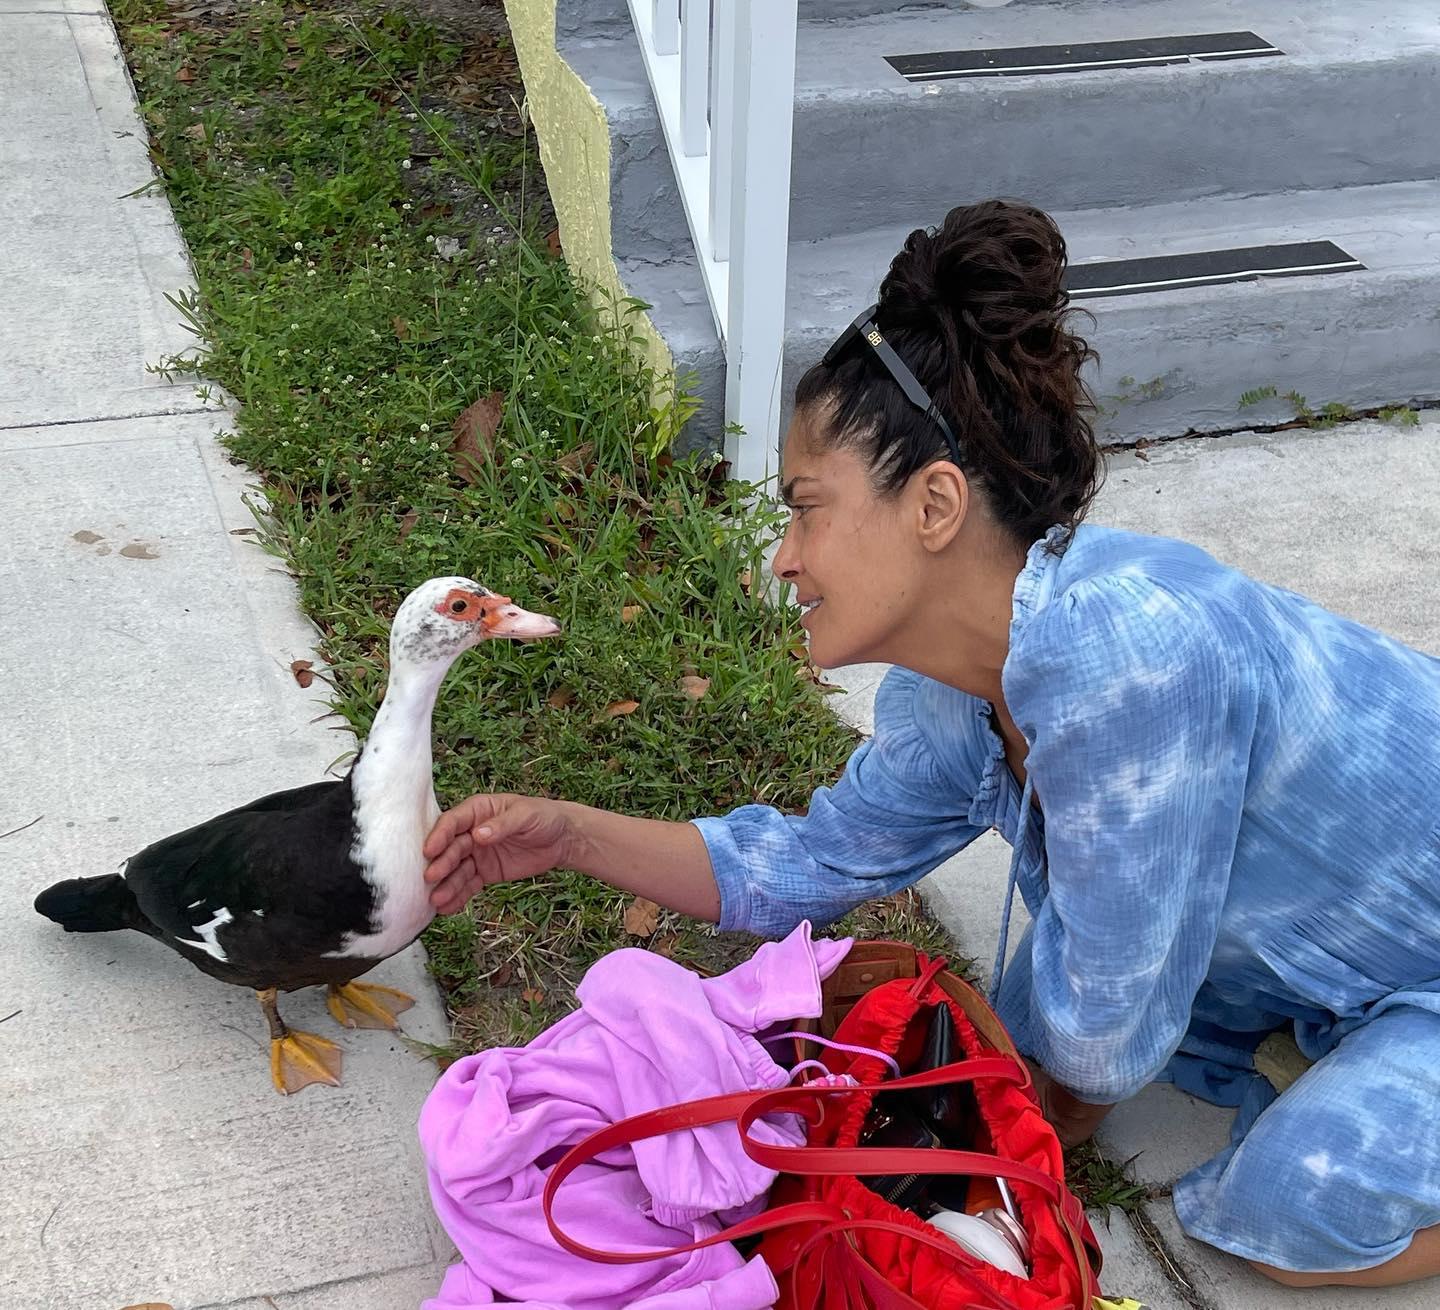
943	501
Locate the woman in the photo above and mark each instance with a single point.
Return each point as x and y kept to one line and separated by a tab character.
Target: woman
1220	797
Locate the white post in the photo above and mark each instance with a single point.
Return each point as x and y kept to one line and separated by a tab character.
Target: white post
665	24
763	113
722	127
694	75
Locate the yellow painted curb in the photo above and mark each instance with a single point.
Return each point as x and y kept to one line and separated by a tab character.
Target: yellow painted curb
574	136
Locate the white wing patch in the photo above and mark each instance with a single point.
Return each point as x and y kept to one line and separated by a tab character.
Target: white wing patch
207	933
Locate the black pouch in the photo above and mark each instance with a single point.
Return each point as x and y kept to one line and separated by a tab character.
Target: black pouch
935	1117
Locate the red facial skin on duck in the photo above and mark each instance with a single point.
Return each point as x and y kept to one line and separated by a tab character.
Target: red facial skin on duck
498	616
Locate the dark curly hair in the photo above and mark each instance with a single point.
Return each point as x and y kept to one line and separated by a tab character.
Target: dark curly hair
977	311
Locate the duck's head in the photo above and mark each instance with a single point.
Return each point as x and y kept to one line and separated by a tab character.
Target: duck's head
445	616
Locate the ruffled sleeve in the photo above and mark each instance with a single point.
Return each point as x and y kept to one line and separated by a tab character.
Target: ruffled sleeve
1140	710
904	804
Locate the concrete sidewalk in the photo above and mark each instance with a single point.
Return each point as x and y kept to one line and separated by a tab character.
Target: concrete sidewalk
145	659
1350	517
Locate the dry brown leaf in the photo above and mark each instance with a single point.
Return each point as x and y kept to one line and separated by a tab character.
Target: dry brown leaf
620	708
560	698
502	976
475	430
574	461
552	242
642	917
612	765
185	75
302	669
694	686
196	131
532	996
629	613
401	326
407	524
665	945
247	259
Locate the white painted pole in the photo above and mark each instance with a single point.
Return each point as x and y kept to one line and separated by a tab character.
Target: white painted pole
665	24
722	130
694	75
762	117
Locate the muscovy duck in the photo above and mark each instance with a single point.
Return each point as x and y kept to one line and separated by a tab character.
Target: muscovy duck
316	885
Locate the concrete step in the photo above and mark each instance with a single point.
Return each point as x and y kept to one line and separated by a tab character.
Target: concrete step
590	19
1172	360
1350	102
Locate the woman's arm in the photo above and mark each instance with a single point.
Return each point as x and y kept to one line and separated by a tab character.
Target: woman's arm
896	813
1140	709
501	838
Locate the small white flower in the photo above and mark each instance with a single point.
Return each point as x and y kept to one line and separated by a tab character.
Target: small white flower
391	264
295	327
413	440
434	445
429	241
365	463
299	245
309	272
407	206
424	427
405	163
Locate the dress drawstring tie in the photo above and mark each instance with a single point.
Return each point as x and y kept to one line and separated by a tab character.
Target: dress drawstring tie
1022	833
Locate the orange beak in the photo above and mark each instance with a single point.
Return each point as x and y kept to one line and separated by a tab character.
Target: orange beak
503	618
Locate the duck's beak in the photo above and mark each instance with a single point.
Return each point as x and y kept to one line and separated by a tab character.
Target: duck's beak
505	619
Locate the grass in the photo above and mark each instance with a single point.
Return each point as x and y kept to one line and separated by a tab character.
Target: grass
1102	1183
360	197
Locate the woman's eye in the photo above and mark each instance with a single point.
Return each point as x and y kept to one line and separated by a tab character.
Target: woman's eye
799	511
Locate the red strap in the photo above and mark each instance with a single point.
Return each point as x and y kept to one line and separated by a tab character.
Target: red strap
872	1161
744	1108
883	1294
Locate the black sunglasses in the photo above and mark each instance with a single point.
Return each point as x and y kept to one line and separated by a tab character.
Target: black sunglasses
864	329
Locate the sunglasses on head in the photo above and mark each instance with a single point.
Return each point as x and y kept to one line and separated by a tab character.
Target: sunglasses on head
864	329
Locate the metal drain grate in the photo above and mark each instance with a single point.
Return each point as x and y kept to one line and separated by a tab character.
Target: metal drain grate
1086	56
1132	277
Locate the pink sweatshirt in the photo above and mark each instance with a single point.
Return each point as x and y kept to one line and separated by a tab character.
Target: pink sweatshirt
648	1033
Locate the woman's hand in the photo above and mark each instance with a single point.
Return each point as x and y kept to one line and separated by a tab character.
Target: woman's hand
1074	1120
498	838
493	838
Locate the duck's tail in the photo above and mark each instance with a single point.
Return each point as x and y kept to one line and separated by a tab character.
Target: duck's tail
103	904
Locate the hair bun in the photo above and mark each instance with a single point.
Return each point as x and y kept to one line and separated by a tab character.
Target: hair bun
996	268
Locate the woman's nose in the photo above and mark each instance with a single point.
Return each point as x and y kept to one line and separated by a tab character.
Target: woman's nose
786	564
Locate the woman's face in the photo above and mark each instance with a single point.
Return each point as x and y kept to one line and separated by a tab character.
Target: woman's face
851	555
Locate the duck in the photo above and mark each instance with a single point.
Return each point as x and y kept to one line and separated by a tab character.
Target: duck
316	885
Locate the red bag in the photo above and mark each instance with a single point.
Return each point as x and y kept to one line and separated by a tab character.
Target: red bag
832	1243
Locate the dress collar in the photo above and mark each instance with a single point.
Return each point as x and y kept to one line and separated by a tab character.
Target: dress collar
1036	583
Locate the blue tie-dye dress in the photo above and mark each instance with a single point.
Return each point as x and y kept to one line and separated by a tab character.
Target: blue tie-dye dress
1236	830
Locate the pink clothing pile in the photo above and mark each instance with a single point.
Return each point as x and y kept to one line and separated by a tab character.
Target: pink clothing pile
648	1033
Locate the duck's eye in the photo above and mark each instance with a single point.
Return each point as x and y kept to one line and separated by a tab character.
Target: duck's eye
458	606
